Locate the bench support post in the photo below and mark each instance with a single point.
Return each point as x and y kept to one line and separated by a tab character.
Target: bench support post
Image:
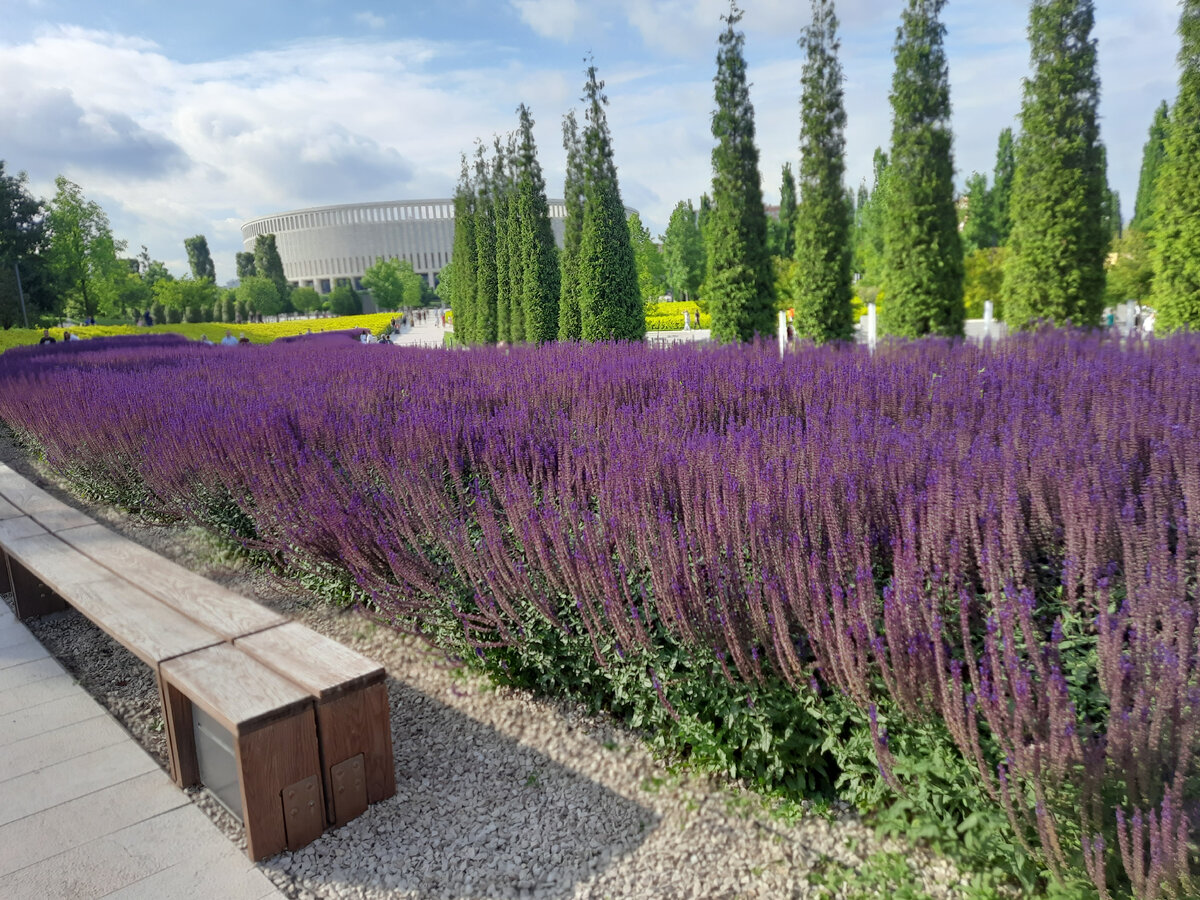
33	598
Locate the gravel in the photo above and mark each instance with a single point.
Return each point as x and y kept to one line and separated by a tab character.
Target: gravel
498	793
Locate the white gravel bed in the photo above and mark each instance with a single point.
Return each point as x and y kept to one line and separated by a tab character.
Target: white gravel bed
498	793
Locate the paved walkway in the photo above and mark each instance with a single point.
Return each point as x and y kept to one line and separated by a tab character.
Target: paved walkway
85	812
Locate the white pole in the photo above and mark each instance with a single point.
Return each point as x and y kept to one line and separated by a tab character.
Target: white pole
871	325
782	333
21	294
987	319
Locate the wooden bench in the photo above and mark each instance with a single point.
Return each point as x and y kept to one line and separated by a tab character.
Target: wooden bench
223	663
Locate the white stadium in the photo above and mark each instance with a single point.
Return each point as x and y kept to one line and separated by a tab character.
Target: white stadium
325	246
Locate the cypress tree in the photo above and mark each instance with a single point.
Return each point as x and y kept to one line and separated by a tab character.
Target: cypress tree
923	262
462	300
1153	154
569	322
787	212
539	255
512	249
505	223
609	303
483	330
868	236
979	228
245	264
823	249
1002	180
1055	265
683	252
1175	251
740	285
199	259
268	264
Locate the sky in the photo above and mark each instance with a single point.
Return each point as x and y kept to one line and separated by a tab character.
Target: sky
191	118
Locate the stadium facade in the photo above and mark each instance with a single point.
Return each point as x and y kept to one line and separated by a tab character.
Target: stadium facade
325	246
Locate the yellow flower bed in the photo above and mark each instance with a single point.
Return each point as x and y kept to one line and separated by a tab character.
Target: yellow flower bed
258	334
668	316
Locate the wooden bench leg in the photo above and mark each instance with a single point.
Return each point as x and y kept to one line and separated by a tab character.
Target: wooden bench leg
279	767
181	744
33	598
353	725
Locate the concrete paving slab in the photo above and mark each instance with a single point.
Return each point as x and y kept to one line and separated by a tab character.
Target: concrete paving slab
85	819
52	785
27	673
37	693
123	858
20	652
24	723
54	746
14	635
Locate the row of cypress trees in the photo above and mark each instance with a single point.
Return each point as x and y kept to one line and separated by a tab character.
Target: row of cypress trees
508	281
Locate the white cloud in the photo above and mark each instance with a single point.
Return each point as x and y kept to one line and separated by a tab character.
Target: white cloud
371	20
555	19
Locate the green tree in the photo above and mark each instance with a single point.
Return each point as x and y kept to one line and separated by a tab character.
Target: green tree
1130	272
268	264
650	269
923	262
569	317
260	295
462	300
868	225
979	219
1153	154
507	231
22	243
1055	266
821	290
740	284
1002	182
610	306
683	252
82	254
184	293
513	254
199	259
483	329
245	265
539	255
781	232
1175	249
306	299
983	277
392	283
343	301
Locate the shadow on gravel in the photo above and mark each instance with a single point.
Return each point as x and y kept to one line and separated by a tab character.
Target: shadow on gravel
476	814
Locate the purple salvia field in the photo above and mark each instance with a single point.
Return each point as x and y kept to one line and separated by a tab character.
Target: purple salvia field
948	527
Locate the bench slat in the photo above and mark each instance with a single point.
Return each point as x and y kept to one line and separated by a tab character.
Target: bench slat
236	690
35	502
8	511
220	610
15	529
150	629
322	666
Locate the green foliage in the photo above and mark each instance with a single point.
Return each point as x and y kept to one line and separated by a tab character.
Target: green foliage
923	271
739	285
983	279
1130	272
610	306
651	271
1002	182
569	315
22	242
392	283
538	256
483	322
1153	154
868	224
1055	268
185	292
667	315
82	255
462	300
306	300
268	264
781	232
1176	243
245	265
199	259
821	288
344	301
508	234
979	216
261	296
683	252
